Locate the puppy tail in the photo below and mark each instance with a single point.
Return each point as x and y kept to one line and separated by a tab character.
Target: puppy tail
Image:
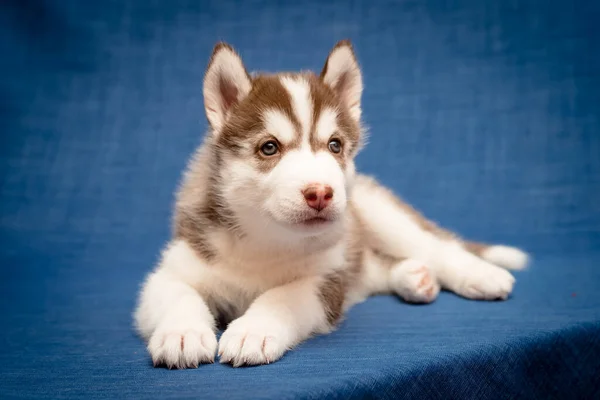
504	256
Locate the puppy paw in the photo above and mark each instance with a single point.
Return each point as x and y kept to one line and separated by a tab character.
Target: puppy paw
413	281
182	348
250	341
487	282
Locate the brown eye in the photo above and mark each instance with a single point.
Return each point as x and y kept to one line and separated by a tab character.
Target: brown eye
335	146
269	148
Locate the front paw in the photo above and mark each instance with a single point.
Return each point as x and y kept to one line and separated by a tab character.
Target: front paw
182	347
251	341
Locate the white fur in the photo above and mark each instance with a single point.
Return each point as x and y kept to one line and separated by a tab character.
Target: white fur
226	67
271	205
391	230
173	315
172	310
506	256
414	281
279	125
327	124
343	75
276	321
294	172
375	275
468	275
269	278
395	232
302	104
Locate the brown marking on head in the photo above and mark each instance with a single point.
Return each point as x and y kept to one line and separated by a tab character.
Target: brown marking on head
322	97
245	127
235	104
348	131
339	86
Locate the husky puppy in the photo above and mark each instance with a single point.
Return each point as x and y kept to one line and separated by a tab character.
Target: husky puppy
276	235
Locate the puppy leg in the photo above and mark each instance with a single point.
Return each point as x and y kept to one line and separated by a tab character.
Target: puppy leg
172	315
411	279
468	275
278	320
395	229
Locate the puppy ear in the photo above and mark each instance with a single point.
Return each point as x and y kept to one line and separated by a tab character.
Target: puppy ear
342	73
226	83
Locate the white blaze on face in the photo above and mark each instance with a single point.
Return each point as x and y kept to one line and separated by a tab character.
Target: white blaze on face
302	104
265	200
301	167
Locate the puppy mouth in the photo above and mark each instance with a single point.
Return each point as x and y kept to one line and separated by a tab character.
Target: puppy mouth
307	221
315	221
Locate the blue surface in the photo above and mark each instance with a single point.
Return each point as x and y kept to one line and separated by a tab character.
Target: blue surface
484	114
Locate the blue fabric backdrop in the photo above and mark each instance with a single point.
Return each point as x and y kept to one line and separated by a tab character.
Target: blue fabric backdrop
484	114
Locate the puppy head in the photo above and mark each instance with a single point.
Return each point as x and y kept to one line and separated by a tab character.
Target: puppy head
284	143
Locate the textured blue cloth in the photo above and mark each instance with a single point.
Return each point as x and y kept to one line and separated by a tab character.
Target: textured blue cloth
484	114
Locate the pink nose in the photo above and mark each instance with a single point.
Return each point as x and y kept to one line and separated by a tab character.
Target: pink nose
318	196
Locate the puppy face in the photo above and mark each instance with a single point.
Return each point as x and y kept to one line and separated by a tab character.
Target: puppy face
285	143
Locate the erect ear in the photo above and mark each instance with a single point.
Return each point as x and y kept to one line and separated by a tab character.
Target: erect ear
226	82
342	73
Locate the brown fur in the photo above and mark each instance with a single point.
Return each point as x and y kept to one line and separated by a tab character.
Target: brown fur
245	127
349	131
242	129
335	286
204	209
189	227
332	293
199	208
244	124
475	247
